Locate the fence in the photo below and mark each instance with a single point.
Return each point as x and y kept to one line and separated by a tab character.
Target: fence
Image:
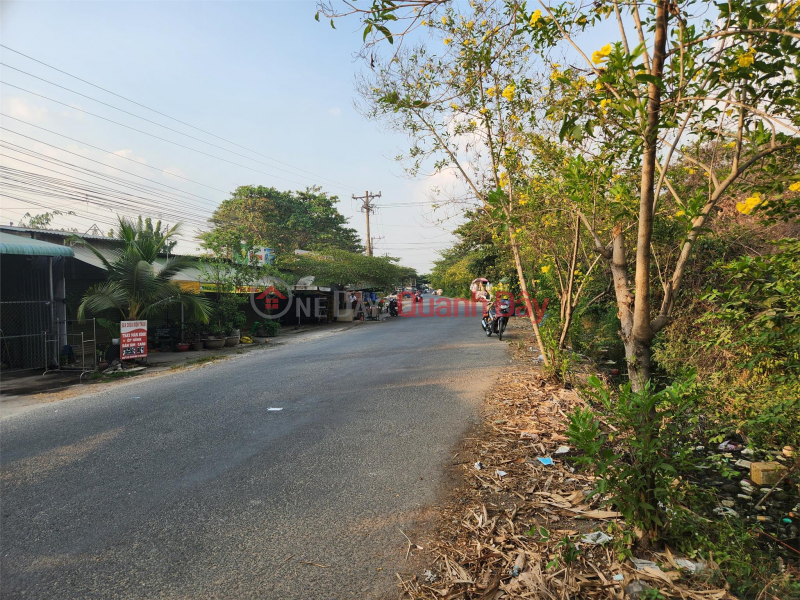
24	327
77	343
72	346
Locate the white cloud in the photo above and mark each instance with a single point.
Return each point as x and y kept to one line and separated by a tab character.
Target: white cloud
335	111
20	108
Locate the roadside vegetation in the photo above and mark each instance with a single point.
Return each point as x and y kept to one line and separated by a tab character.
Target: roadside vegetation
649	185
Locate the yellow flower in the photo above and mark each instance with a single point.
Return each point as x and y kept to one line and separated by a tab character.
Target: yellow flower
454	106
447	40
545	269
473	122
491	92
444	20
508	93
680	213
535	17
471	24
483	111
747	59
483	23
795	187
523	202
604	102
424	22
692	171
600	56
599	86
749	204
730	145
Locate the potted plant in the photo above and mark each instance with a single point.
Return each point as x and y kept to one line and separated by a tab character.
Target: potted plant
216	338
193	335
229	317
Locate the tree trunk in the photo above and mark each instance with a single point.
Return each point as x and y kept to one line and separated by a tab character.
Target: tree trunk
639	339
512	235
637	354
567	307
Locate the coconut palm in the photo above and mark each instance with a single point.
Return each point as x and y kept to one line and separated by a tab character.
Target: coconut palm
133	286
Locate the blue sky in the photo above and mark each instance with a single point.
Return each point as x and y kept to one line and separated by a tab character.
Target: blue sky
265	75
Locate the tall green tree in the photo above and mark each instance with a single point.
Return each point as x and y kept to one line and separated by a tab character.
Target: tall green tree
264	216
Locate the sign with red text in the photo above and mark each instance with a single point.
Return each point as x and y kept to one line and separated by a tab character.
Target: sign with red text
133	340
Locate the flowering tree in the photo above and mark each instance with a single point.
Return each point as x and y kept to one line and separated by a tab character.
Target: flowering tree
468	112
681	89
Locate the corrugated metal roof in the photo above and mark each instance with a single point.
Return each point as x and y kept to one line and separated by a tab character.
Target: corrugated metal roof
83	254
16	244
34	230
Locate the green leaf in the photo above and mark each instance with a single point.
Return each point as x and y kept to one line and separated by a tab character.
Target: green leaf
645	78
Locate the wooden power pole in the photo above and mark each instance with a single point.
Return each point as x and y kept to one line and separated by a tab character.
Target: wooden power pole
366	207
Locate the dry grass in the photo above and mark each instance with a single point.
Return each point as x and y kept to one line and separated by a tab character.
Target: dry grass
503	535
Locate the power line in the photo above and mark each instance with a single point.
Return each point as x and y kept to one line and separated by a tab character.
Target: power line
138	117
167	116
91	173
158	137
103	196
163	171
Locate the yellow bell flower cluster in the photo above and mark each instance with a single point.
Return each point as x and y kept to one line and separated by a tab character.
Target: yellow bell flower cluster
535	17
491	92
447	41
749	204
795	187
508	92
747	59
600	56
680	213
546	269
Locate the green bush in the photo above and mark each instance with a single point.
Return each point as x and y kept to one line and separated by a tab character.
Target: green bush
641	476
266	328
749	571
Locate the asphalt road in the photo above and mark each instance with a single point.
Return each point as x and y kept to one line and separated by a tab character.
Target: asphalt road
187	486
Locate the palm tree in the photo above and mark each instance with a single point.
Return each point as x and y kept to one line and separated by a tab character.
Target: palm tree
133	287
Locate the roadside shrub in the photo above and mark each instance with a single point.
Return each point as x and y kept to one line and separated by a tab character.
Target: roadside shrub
638	465
268	328
745	568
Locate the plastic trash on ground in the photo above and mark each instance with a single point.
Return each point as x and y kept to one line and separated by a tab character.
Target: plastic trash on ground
596	537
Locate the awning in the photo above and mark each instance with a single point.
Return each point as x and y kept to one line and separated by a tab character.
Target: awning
310	288
83	254
24	246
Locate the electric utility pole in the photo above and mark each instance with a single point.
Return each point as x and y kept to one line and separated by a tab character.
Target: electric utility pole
366	207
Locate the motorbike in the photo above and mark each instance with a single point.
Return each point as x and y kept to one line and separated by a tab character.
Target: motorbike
393	307
497	321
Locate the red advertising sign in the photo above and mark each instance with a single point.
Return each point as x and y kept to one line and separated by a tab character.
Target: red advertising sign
133	340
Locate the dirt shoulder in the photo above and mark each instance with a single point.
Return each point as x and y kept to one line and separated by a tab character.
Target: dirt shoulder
518	521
